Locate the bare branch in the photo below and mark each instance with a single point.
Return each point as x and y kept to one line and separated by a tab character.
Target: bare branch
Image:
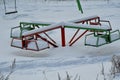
59	78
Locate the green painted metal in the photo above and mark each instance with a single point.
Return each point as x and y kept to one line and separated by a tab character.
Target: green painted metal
30	26
97	44
34	23
5	7
116	31
18	27
79	6
27	26
107	36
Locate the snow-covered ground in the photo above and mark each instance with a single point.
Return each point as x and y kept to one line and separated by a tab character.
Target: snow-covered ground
77	59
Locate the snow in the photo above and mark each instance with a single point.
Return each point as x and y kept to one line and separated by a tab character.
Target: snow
41	22
92	40
17	43
40	30
16	32
77	59
82	19
115	36
85	26
37	45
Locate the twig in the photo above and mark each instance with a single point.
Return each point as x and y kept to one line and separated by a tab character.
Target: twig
97	77
103	71
59	78
12	67
68	77
76	77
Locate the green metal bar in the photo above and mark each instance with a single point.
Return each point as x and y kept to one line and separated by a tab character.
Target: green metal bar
12	31
86	37
78	38
4	5
97	41
107	22
109	37
21	30
30	26
30	23
114	32
79	6
15	6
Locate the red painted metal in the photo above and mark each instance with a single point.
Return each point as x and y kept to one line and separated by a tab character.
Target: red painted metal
36	35
78	38
74	35
37	48
44	39
95	23
25	40
49	37
15	45
63	36
42	31
23	44
87	21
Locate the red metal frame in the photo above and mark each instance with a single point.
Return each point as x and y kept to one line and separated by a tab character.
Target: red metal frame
42	31
70	44
74	35
87	21
25	41
37	48
49	37
44	39
63	36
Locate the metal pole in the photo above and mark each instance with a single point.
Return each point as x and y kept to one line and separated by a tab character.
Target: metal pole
74	36
15	6
63	36
4	5
78	38
79	6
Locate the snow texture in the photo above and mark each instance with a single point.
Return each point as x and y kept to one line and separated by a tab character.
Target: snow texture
76	59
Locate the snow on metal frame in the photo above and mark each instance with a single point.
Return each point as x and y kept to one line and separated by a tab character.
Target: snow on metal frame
83	19
63	24
85	26
40	30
